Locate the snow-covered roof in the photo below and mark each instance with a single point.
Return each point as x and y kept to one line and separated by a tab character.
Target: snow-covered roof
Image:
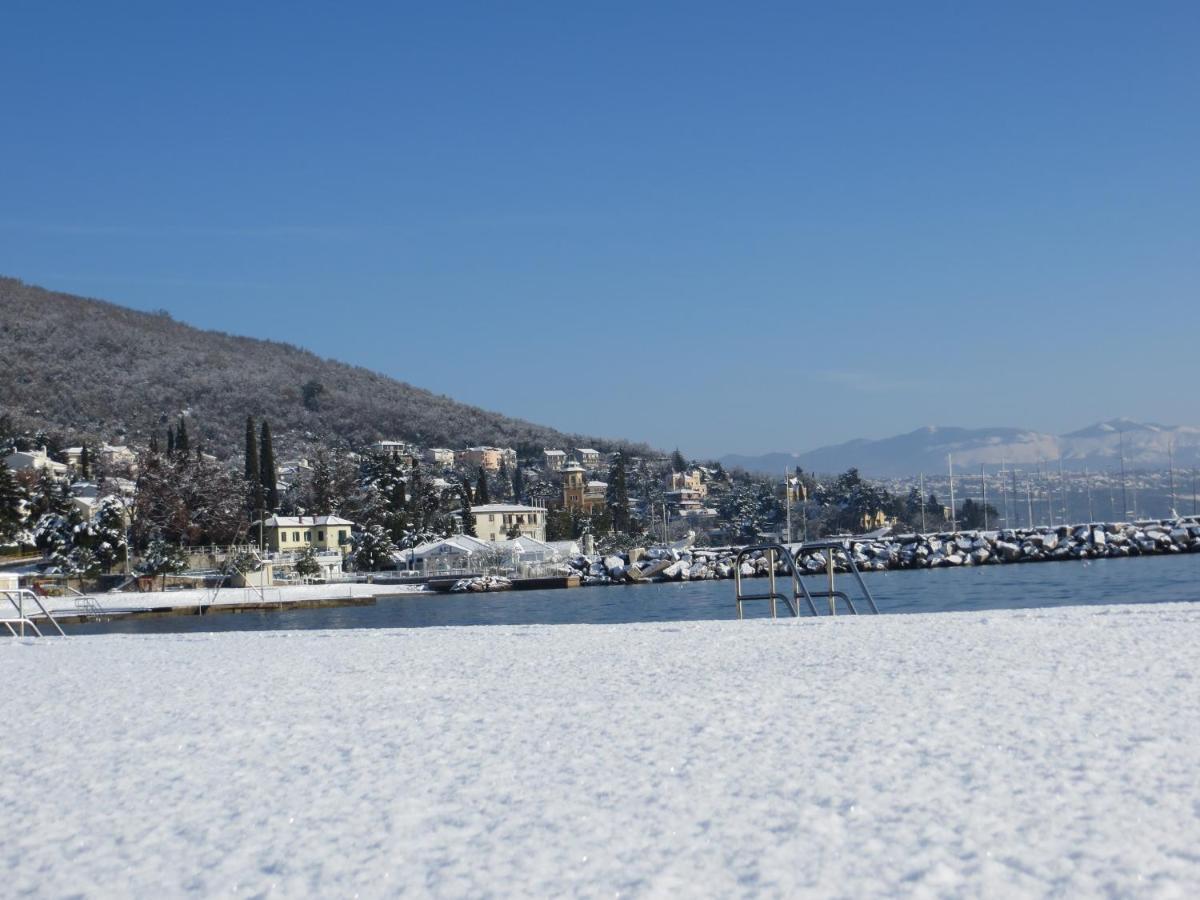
588	450
505	508
304	521
554	452
458	543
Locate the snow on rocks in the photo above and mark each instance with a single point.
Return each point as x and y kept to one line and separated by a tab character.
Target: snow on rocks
974	548
1000	754
481	584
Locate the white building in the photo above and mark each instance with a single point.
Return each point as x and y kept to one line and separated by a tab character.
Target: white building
494	521
554	460
23	460
439	456
588	457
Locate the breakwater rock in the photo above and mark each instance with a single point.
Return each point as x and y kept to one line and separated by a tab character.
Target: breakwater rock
909	551
481	584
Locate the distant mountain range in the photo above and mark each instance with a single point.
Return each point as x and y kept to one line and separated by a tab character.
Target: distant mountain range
79	368
1097	447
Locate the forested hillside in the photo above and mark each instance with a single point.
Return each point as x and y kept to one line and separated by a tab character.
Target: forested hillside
87	367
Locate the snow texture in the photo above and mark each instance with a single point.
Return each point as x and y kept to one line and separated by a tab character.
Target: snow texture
1016	753
135	601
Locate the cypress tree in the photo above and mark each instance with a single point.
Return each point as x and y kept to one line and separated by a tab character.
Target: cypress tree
181	438
251	451
154	442
518	483
468	517
85	463
266	468
170	441
618	493
481	489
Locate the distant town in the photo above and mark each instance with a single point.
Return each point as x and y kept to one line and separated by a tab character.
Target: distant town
160	514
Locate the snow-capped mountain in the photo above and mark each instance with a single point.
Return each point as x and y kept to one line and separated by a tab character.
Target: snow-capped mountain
1098	447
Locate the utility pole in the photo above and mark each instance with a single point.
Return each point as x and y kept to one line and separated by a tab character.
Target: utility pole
787	499
983	481
1171	473
1029	500
1124	487
1062	489
1087	480
923	502
953	510
1016	497
1004	495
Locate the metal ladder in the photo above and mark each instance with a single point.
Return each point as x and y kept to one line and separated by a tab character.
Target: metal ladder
799	589
16	600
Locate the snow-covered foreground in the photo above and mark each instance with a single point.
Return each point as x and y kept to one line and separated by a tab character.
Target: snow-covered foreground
136	601
999	754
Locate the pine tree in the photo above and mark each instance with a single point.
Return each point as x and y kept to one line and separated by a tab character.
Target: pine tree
372	549
266	468
170	441
12	505
85	463
108	533
678	463
154	442
481	489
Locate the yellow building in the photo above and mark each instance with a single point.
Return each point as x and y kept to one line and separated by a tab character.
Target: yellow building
496	521
578	492
294	533
487	458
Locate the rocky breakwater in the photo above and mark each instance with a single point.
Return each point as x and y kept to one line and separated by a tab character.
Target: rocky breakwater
911	551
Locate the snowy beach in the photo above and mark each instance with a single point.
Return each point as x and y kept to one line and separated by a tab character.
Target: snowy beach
1002	753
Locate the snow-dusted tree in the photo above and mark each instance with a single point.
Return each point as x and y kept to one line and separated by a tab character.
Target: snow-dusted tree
108	533
617	498
468	517
306	564
372	549
266	468
162	558
482	496
13	505
48	496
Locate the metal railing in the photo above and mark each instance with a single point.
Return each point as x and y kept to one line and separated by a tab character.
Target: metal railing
799	589
16	600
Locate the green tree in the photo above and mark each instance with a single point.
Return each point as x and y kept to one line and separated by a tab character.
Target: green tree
481	489
266	468
306	564
518	484
372	549
13	505
617	498
678	463
162	558
312	391
85	462
468	517
181	438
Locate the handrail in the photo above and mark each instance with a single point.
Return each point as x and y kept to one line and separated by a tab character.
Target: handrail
22	619
798	586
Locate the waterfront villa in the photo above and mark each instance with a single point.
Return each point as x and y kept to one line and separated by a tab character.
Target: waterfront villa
495	521
288	534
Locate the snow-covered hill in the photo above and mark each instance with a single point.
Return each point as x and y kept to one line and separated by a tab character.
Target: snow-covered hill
1146	445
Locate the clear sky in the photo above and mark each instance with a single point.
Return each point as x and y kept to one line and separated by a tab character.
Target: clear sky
727	227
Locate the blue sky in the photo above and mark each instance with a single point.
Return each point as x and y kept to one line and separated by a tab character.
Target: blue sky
727	227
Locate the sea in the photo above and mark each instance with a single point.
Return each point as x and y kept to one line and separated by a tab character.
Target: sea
1148	579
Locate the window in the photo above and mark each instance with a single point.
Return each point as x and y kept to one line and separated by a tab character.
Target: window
308	535
296	537
342	536
320	535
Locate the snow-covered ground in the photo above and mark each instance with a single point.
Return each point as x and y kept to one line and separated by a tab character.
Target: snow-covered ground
135	601
996	754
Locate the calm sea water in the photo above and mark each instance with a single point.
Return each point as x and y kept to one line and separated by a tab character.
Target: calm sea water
1137	580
